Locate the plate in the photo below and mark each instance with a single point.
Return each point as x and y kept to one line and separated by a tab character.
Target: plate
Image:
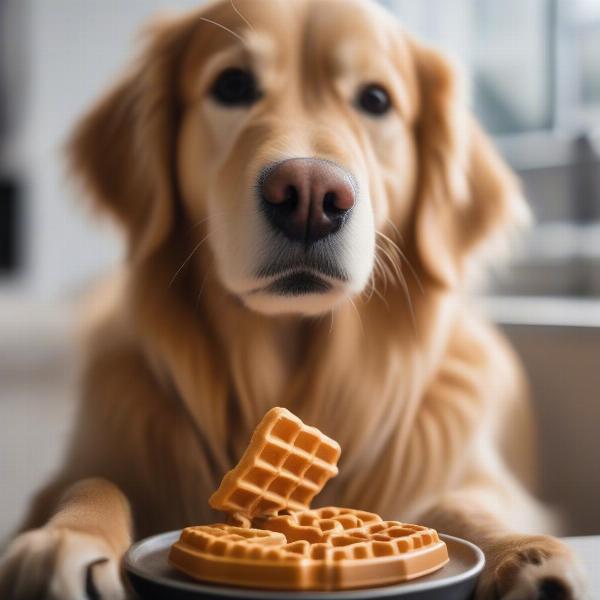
151	576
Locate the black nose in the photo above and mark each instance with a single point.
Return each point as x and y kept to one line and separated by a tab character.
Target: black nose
307	199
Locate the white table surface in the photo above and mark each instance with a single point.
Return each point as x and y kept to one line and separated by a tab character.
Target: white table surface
588	550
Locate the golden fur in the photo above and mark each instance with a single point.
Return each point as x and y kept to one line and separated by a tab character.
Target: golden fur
425	398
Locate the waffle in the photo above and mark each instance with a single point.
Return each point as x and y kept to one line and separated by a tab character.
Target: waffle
278	542
284	467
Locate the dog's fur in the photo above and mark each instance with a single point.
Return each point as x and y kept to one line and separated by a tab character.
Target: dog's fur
425	398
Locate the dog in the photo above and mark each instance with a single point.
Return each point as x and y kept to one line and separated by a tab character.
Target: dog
305	197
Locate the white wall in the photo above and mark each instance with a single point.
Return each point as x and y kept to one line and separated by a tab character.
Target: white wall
74	49
562	366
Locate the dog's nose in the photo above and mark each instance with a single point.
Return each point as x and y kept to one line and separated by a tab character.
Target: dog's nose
307	199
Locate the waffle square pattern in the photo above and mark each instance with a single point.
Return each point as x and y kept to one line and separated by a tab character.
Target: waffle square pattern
278	542
284	467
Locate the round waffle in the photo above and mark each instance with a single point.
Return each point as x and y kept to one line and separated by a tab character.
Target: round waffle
282	543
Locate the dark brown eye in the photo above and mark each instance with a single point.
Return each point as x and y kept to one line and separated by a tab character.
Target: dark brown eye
374	99
235	87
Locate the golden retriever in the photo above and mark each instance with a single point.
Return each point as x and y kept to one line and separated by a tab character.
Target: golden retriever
304	194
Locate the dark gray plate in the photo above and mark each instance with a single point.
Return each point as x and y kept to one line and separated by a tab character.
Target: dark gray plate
152	578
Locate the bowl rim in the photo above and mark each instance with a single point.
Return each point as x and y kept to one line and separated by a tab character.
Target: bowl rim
130	566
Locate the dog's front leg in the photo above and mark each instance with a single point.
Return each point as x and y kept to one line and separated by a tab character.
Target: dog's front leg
518	566
76	553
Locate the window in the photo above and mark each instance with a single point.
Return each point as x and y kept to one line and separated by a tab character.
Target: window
534	67
585	26
510	54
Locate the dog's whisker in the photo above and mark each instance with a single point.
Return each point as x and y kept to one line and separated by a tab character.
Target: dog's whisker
210	217
196	247
393	265
384	273
392	247
189	257
362	327
379	294
413	317
377	272
187	260
373	283
241	16
230	31
382	298
403	256
237	211
384	269
404	284
400	279
390	270
214	213
199	296
397	269
390	258
395	228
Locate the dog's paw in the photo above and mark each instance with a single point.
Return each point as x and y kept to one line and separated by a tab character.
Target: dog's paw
531	568
60	564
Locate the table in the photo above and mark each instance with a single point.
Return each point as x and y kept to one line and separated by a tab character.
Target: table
588	550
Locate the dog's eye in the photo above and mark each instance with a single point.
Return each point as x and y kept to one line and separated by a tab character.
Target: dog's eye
235	87
374	99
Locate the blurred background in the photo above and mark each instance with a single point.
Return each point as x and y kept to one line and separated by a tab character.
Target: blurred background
534	68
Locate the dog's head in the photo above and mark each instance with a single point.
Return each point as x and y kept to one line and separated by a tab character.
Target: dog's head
294	133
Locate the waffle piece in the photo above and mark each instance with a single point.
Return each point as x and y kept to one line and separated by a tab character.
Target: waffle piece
317	525
278	542
350	552
284	467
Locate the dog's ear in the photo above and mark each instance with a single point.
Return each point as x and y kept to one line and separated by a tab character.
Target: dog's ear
123	148
466	194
